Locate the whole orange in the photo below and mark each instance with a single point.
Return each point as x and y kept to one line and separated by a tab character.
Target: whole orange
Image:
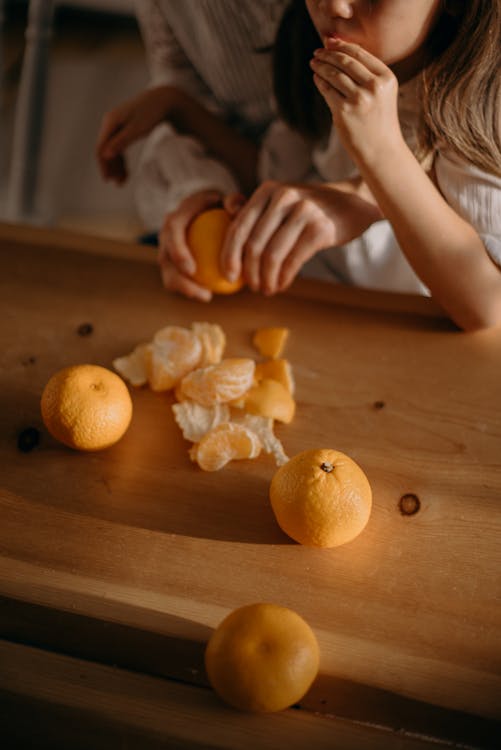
205	239
86	407
262	657
321	498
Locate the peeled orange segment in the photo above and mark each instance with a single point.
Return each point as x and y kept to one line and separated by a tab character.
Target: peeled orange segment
224	443
276	369
173	353
205	239
270	342
263	428
270	399
196	420
213	341
132	367
218	384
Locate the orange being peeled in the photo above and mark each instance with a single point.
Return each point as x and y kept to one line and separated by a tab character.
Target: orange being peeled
86	407
205	239
262	657
321	498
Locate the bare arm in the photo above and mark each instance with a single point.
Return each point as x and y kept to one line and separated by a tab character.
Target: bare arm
237	153
135	118
444	250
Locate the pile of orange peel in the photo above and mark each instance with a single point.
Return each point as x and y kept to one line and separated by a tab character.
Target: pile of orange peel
226	407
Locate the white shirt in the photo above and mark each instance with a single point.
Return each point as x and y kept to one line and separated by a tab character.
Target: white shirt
219	51
375	260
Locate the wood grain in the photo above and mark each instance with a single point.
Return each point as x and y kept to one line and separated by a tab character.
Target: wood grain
137	537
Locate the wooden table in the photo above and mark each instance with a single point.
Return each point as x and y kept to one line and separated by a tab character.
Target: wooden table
116	566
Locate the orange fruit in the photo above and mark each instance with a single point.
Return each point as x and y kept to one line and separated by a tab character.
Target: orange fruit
86	407
269	398
224	443
321	498
262	657
205	239
270	342
220	383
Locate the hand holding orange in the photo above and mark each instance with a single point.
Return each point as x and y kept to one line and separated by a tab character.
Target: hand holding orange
86	407
262	657
205	239
321	498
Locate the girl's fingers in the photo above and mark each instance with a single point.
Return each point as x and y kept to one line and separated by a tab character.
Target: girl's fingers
371	62
176	282
119	142
238	233
172	241
234	202
278	249
336	78
300	253
172	238
327	91
347	64
274	227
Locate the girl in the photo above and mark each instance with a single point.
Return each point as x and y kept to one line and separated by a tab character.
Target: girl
204	114
412	164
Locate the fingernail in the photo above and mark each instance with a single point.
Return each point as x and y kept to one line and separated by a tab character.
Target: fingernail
231	276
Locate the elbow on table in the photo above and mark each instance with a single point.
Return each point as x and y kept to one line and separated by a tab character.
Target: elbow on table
482	317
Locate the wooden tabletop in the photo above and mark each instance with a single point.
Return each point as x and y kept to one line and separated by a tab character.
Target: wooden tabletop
116	566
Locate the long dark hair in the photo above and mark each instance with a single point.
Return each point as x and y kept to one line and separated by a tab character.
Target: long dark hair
298	100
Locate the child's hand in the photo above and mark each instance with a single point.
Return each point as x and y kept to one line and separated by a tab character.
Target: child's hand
361	92
128	123
282	226
175	259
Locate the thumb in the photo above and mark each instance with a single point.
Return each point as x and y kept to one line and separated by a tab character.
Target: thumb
234	202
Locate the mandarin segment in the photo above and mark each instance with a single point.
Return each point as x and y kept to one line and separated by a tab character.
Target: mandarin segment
213	341
263	427
269	398
262	657
276	369
174	352
220	383
270	342
224	443
211	391
196	420
132	367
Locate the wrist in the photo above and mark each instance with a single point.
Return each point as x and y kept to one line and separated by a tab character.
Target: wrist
169	101
382	158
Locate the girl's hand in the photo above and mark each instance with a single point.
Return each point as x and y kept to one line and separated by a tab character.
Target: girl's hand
126	124
362	94
282	226
176	261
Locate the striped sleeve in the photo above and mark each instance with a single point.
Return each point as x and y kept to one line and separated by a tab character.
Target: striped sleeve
167	61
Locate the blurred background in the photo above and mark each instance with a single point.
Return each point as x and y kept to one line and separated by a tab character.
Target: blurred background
95	59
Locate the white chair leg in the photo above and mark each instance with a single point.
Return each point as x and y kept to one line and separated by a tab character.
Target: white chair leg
28	122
